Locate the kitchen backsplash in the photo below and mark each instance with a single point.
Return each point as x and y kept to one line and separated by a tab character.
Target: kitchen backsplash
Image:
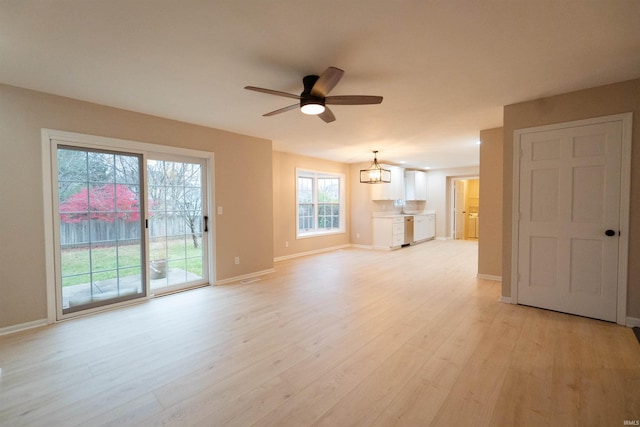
398	206
415	205
387	206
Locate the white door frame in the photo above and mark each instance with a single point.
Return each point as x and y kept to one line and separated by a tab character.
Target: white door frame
625	195
48	138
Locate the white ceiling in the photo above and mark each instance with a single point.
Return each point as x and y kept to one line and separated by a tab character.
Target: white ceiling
445	68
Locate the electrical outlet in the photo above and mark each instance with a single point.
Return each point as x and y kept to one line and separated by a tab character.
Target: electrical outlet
219	210
357	235
237	260
286	244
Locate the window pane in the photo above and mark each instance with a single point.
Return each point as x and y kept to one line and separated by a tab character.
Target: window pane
328	215
101	167
127	170
328	190
305	217
305	190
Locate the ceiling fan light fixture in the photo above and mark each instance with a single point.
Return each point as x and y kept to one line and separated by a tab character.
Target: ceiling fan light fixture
314	96
376	174
312	106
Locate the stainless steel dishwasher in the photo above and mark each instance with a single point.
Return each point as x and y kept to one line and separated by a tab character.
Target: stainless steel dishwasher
408	230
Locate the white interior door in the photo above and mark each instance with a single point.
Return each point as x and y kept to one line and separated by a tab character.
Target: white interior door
459	212
569	209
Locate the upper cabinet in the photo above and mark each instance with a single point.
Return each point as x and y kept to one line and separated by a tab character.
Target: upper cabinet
415	185
393	190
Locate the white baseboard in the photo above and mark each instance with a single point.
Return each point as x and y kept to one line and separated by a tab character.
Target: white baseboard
505	299
633	322
23	326
244	277
489	277
316	251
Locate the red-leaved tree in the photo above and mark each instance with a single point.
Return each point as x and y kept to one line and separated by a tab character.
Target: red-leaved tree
104	203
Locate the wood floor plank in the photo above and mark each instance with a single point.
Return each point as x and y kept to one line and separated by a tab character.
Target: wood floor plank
525	397
618	369
306	406
203	406
448	342
480	382
349	337
131	413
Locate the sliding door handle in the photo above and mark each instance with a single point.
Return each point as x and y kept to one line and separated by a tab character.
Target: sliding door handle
206	224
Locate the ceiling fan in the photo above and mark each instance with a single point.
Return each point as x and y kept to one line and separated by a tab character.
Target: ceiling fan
314	99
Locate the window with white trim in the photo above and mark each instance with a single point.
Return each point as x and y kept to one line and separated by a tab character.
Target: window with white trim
319	203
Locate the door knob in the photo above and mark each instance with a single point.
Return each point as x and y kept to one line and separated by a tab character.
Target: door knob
610	233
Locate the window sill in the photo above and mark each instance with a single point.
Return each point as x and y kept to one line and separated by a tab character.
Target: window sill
306	235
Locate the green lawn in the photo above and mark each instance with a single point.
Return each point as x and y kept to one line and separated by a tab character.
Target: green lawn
76	263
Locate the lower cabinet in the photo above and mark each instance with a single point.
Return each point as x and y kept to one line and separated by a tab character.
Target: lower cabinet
388	233
424	227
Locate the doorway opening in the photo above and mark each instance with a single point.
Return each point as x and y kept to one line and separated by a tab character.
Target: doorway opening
465	208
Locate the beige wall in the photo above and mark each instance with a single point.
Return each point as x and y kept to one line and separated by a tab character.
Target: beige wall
284	204
600	101
361	207
439	195
490	242
245	229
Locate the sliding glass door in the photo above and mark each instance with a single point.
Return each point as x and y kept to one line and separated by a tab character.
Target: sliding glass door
126	225
100	233
176	224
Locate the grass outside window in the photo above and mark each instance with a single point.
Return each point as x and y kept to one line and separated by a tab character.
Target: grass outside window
106	260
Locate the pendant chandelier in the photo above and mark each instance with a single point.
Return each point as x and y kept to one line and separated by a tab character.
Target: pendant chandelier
375	174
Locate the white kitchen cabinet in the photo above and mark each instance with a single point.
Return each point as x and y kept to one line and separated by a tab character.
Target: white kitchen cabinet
424	227
415	183
393	190
388	232
419	228
431	226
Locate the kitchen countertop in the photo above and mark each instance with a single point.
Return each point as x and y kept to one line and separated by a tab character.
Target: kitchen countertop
398	214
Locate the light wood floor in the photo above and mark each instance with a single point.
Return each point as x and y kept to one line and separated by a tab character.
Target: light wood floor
351	337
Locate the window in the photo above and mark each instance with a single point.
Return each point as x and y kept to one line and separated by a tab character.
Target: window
320	203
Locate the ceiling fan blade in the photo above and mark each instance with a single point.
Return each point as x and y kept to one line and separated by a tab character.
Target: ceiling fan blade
327	81
327	115
353	100
282	110
272	92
